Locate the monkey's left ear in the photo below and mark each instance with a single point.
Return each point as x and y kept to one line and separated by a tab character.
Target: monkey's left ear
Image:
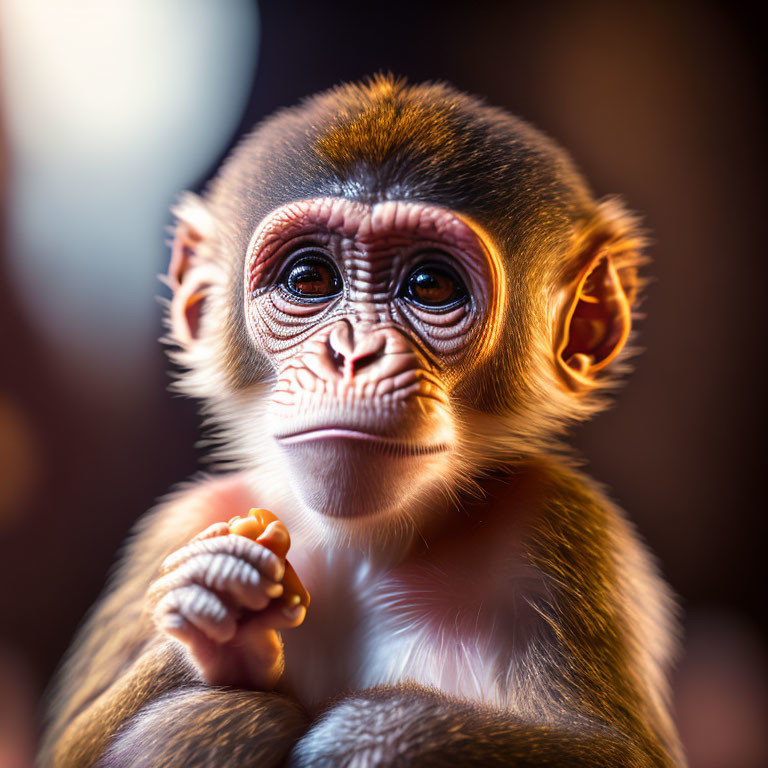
189	272
597	319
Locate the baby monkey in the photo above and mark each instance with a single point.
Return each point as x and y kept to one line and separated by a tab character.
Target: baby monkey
391	302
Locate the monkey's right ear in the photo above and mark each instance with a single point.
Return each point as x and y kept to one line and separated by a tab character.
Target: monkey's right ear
189	272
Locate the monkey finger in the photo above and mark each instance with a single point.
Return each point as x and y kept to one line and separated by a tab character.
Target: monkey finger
199	607
217	529
234	580
176	626
246	526
276	538
276	616
262	526
261	558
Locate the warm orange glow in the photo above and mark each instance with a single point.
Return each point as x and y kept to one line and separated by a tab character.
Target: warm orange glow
600	315
264	527
497	309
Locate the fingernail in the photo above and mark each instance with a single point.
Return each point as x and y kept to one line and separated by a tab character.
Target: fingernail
274	590
294	613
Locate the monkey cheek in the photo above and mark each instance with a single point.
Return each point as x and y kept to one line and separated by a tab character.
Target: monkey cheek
347	478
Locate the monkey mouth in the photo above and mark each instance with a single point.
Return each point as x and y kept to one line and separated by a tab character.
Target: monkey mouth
390	445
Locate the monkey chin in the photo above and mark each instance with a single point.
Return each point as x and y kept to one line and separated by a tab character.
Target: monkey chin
347	474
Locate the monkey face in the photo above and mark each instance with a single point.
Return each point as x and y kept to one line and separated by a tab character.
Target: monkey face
391	288
368	316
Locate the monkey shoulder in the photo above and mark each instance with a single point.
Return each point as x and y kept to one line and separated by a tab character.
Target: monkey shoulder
118	627
587	555
528	520
192	507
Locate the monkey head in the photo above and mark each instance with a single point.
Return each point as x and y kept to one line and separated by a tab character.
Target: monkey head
391	288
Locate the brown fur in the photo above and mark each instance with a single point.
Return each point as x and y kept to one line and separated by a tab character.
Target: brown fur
213	727
591	684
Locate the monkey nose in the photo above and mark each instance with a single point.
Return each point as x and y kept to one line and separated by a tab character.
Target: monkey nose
352	351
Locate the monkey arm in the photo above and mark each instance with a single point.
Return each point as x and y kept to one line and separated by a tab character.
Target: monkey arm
158	713
206	726
413	726
609	617
118	662
108	661
158	671
121	664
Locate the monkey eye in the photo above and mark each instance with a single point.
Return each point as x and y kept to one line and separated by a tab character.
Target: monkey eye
435	286
312	277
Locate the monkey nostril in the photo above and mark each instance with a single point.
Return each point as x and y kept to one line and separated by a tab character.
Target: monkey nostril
352	363
350	355
364	360
337	358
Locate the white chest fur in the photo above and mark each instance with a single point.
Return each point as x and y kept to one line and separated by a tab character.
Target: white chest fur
459	630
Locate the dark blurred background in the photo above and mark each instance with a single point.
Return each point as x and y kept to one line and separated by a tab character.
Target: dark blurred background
108	110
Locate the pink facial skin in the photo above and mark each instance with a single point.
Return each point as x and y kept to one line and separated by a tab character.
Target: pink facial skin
367	368
374	249
373	246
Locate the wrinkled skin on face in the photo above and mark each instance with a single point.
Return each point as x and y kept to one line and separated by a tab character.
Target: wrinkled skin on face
370	316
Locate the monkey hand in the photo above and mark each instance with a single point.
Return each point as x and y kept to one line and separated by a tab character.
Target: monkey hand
225	596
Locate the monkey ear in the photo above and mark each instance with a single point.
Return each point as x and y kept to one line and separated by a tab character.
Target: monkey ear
597	319
190	269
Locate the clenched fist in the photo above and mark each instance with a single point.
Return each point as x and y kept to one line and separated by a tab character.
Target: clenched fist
226	594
